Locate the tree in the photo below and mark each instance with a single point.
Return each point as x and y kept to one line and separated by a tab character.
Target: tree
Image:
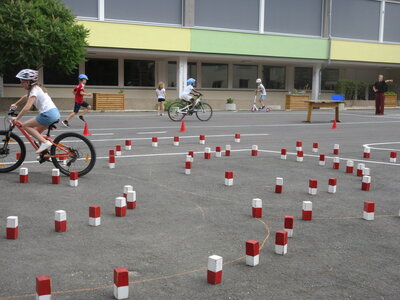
37	33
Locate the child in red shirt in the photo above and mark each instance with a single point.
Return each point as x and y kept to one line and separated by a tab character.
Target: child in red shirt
79	93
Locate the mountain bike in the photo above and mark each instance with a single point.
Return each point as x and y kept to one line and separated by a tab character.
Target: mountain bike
178	110
70	151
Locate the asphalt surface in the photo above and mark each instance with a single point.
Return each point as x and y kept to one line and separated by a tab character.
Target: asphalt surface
181	219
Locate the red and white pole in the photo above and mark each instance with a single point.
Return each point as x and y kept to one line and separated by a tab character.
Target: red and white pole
254	150
299	146
60	221
202	139
281	241
94	215
73	178
118	150
312	186
176	141
332	185
279	185
393	157
207	153
214	269
256	208
128	145
191	154
55	176
367	152
121	283
111	162
120	207
43	287
360	170
366	183
369	210
227	150
237	137
288	225
218	151
154	142
300	156
131	200
307	211
322	159
336	149
229	178
283	153
336	163
315	147
12	228
127	188
188	167
252	253
23	175
350	166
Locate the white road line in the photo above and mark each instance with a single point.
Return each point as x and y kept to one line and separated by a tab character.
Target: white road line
379	148
150	132
103	133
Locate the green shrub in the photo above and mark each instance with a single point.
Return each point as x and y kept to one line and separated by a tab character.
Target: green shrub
351	89
230	101
167	104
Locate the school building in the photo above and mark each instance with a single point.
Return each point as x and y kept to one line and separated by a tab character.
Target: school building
226	44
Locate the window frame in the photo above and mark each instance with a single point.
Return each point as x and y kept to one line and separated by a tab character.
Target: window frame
285	77
202	63
138	86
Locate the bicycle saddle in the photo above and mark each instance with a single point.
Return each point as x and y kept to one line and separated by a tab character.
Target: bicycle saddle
53	125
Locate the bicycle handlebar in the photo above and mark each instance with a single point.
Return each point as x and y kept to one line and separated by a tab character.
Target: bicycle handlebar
12	111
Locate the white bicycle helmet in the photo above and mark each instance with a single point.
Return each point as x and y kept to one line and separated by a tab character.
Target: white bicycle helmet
28	74
258	80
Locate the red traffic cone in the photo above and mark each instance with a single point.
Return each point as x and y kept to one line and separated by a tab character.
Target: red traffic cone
86	129
334	126
183	128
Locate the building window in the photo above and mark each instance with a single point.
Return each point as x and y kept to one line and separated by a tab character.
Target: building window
244	76
303	78
214	75
139	73
53	76
102	71
329	78
172	74
192	70
87	8
274	77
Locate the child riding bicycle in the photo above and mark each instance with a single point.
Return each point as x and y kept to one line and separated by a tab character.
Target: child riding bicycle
188	92
48	112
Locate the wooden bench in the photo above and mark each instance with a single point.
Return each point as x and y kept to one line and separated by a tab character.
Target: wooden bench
323	103
108	101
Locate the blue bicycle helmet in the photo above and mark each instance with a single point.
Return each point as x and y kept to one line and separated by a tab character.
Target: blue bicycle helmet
83	76
191	81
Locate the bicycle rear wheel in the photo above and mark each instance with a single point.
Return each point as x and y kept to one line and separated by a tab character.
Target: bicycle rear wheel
73	152
204	111
175	111
12	152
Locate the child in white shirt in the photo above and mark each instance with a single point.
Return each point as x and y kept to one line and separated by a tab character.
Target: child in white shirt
161	96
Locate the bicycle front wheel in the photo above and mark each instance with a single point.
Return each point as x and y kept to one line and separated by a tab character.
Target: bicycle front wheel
12	152
175	111
204	111
73	152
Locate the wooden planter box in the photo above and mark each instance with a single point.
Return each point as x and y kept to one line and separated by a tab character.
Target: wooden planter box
391	100
108	101
296	102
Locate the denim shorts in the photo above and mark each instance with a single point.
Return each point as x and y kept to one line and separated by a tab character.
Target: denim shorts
48	117
262	97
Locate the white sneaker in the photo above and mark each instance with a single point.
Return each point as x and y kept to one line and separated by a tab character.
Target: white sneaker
43	147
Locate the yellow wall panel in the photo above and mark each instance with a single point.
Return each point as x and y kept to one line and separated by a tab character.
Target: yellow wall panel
368	52
117	35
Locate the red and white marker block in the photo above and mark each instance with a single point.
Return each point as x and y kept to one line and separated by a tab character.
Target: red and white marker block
281	241
300	156
191	153
288	225
189	158
218	151
279	185
188	167
367	152
283	153
214	269
369	210
393	157
336	163
202	139
252	253
322	159
332	185
306	214
366	183
73	178
350	166
60	221
299	146
154	142
360	170
118	150
312	186
111	161
229	178
254	150
94	215
127	188
315	147
336	148
12	228
131	200
128	145
120	207
121	283
256	208
207	153
227	150
367	172
176	141
23	175
237	137
55	176
43	287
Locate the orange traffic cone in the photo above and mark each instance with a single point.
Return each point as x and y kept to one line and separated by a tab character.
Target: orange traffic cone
334	126
86	129
183	128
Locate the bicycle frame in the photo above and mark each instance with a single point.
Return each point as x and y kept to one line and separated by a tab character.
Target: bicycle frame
185	109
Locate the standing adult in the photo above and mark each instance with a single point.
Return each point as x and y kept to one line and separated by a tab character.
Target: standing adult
380	87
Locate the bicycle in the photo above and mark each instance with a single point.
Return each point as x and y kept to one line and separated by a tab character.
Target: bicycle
178	110
80	158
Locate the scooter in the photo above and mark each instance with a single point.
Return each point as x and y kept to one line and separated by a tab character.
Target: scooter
254	108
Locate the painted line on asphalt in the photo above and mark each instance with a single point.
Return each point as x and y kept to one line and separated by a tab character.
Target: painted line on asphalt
380	148
150	132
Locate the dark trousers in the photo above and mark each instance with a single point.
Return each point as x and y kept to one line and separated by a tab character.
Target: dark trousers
379	103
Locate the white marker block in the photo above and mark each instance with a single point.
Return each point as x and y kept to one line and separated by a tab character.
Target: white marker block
176	141
73	178
367	172
121	283
360	170
43	287
369	210
214	269
154	142
252	253
55	176
229	178
189	158
94	215
281	241
127	188
131	200
12	228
